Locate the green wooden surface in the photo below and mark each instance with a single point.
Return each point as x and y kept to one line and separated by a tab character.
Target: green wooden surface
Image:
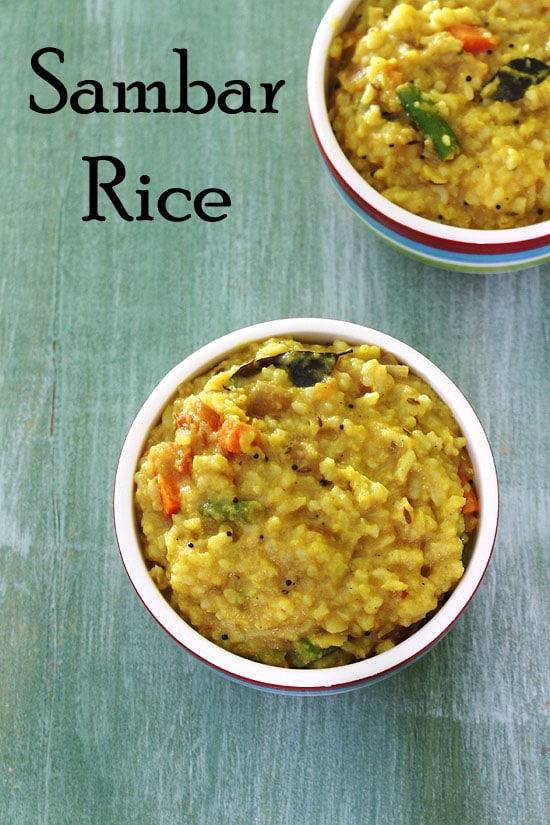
104	719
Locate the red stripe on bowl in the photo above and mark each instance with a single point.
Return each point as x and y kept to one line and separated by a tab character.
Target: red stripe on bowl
429	240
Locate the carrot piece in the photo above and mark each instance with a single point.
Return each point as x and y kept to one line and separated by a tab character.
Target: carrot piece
184	462
199	423
185	421
170	463
235	436
201	415
169	496
474	38
210	417
471	505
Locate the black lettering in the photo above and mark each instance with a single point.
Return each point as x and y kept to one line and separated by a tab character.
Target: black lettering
96	92
244	91
141	96
200	205
107	186
163	205
184	105
51	79
270	92
143	195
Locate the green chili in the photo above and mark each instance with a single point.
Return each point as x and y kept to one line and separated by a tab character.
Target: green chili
303	652
423	111
240	510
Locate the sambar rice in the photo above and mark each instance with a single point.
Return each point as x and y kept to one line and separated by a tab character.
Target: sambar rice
306	505
481	71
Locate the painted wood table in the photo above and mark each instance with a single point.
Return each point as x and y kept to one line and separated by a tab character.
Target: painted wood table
104	719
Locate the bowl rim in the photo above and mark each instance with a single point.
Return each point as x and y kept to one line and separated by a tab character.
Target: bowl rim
270	677
333	21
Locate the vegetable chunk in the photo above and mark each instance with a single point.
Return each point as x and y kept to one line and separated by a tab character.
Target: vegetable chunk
422	110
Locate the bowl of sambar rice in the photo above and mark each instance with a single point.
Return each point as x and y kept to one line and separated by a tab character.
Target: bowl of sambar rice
306	505
433	123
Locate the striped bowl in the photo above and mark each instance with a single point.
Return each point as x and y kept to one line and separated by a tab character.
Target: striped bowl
470	250
288	680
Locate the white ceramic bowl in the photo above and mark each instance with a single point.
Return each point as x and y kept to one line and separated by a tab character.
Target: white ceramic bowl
450	247
268	677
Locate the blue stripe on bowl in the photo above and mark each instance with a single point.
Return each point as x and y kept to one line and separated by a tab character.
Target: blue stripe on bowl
447	258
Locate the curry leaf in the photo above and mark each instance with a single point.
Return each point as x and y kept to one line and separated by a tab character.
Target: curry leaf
513	79
304	367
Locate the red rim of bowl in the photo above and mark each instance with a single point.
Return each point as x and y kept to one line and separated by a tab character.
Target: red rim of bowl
390	215
268	677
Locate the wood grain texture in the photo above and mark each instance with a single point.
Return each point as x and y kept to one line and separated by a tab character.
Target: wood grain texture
103	719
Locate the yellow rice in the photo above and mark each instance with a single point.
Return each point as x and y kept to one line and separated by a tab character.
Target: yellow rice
354	531
501	176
